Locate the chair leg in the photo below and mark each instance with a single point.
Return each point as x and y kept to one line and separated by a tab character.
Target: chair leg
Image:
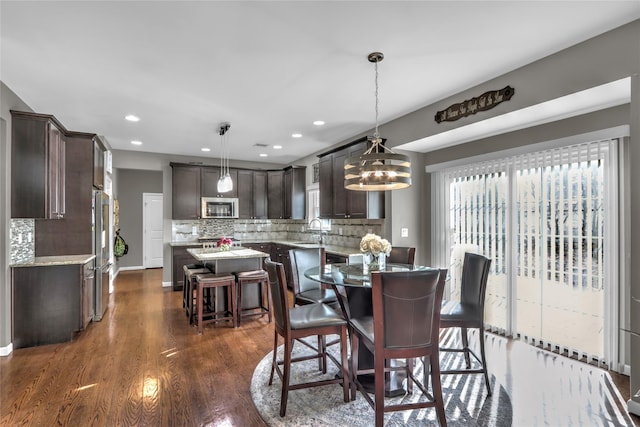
288	346
409	364
484	360
344	361
434	367
465	346
275	358
239	301
354	364
268	286
199	309
378	363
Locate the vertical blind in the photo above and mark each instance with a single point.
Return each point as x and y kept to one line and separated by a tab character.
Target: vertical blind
542	218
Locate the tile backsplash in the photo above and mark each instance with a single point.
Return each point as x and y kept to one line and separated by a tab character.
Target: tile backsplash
22	240
347	232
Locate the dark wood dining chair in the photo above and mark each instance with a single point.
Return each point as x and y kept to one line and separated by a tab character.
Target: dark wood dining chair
305	290
469	314
404	325
402	255
299	322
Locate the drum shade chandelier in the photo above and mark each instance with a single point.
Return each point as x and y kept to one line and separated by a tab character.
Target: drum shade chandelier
379	168
225	183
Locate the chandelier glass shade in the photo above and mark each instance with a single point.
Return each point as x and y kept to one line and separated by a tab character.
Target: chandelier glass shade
379	168
225	183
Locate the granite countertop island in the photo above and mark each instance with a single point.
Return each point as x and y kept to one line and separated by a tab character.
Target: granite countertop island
44	261
217	254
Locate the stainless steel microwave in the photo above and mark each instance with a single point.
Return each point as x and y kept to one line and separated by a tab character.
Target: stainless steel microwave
219	207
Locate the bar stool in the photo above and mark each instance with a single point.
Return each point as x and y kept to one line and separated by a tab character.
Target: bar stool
190	270
261	279
212	281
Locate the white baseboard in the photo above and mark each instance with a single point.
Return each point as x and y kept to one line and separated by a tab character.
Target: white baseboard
633	407
5	351
167	284
135	267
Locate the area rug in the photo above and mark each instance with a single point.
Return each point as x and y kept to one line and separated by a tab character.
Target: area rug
531	387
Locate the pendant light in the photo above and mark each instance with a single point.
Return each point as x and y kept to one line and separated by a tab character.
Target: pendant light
225	184
379	168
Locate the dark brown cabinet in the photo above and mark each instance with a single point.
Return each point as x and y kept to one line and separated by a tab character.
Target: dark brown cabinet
50	303
186	191
98	164
72	235
325	170
181	258
209	177
252	194
275	197
338	202
295	192
38	167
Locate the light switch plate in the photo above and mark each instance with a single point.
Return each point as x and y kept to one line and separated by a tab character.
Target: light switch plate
404	232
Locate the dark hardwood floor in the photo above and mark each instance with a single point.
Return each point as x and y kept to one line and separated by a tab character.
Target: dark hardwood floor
143	365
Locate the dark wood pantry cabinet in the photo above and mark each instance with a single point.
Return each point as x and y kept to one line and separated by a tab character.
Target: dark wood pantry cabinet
38	168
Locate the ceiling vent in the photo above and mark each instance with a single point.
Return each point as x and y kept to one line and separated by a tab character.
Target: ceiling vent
257	144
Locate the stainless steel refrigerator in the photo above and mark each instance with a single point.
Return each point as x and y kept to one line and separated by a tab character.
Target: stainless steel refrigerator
102	246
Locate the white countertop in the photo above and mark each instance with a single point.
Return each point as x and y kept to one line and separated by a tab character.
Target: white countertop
215	254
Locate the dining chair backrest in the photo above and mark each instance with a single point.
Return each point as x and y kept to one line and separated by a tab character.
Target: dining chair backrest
402	255
279	294
475	274
406	308
301	260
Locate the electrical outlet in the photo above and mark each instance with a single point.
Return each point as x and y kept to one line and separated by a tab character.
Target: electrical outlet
404	232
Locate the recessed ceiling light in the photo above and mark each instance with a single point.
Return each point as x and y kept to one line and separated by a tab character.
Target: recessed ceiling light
318	122
296	135
136	142
205	149
277	147
263	155
132	118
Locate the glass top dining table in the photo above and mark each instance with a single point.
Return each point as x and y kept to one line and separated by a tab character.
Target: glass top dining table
353	275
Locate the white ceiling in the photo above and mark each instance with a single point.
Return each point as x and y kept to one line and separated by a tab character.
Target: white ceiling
269	68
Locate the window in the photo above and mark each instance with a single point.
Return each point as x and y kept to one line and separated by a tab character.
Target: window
547	221
313	211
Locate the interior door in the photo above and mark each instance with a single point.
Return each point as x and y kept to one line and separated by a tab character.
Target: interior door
153	230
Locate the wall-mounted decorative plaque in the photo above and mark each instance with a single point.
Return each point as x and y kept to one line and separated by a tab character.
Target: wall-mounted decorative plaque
484	102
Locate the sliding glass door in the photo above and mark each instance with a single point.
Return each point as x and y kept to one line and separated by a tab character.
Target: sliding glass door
546	220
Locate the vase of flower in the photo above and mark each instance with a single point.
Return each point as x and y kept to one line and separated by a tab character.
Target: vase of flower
224	244
374	250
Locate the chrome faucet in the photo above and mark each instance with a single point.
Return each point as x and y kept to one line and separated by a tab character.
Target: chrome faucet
319	230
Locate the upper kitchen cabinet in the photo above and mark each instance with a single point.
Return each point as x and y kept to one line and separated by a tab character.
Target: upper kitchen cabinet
186	191
338	202
98	164
38	171
209	177
252	194
275	195
294	192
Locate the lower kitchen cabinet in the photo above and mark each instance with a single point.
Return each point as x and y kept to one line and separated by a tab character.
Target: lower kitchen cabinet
50	302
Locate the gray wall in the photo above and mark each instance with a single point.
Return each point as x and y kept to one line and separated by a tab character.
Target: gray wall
130	185
8	101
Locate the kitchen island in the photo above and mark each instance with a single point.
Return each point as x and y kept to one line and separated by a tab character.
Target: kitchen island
235	260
